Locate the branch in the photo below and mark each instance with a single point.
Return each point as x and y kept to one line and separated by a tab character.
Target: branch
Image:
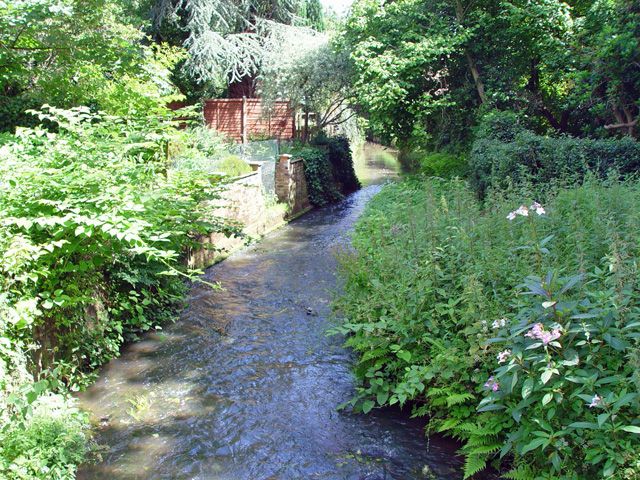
614	126
12	47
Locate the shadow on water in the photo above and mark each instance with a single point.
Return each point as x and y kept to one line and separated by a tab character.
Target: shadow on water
245	385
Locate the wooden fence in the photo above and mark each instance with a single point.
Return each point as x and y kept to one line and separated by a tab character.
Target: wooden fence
243	119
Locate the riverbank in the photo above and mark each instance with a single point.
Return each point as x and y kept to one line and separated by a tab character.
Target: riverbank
505	322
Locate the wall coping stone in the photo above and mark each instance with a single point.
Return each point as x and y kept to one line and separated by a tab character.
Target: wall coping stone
242	177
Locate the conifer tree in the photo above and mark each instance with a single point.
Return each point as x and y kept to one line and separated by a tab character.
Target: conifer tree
314	15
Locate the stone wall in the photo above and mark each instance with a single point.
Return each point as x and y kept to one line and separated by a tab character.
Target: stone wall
291	185
244	202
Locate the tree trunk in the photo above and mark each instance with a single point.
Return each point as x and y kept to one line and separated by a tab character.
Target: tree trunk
244	88
476	77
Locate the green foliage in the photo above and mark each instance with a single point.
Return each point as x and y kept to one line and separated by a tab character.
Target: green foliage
93	229
424	70
314	15
339	154
444	165
225	39
508	156
78	52
437	286
49	442
234	166
321	187
94	225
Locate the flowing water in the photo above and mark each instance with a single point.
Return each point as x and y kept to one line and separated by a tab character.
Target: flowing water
244	386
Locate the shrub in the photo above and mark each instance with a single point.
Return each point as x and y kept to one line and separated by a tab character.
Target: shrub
433	164
341	160
93	228
48	443
234	166
497	160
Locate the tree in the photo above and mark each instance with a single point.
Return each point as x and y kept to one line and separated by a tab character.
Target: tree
609	78
225	38
428	70
314	15
312	73
73	52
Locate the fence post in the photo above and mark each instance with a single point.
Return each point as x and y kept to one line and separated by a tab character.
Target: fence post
243	127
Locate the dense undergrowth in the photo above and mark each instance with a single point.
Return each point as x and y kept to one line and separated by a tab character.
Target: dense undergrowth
93	230
519	335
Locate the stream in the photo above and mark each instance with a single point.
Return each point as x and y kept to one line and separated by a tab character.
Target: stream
244	386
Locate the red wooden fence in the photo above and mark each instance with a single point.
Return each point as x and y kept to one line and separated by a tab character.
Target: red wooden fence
243	119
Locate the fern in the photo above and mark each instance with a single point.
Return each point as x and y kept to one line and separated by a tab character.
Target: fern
458	398
448	424
490	448
522	472
468	427
371	354
473	464
480	438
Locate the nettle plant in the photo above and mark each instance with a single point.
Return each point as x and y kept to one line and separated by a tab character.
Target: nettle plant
568	374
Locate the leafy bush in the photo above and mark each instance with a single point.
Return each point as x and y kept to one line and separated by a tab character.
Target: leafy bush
444	165
329	168
519	156
198	141
451	306
341	160
93	229
234	166
48	443
317	170
503	126
12	112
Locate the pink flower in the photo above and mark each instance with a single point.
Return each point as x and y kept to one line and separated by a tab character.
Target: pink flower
596	401
511	216
538	332
493	385
502	356
535	332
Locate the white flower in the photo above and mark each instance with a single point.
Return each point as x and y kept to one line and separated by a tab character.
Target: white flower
499	323
538	208
595	401
524	211
511	216
502	356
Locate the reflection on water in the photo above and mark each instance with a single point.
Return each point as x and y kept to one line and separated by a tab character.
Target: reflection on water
374	163
245	385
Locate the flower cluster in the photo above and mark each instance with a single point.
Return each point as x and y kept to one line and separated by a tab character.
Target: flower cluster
502	356
499	323
492	384
524	211
538	332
